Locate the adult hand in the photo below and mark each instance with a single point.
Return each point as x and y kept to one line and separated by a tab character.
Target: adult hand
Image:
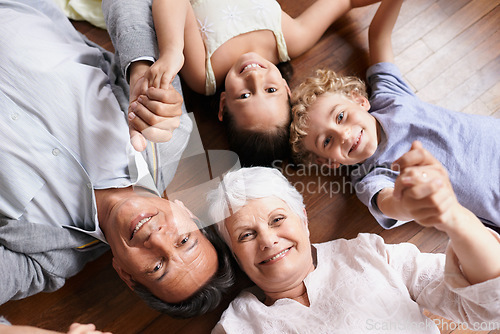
424	189
154	113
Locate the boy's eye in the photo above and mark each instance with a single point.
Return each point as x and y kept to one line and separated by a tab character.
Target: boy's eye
327	141
340	117
271	90
244	95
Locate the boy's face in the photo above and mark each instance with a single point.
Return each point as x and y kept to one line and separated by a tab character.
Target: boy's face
340	130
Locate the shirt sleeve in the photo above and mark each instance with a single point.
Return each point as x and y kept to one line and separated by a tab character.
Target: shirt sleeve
437	284
386	78
130	26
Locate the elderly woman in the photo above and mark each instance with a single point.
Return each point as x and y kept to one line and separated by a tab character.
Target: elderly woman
359	285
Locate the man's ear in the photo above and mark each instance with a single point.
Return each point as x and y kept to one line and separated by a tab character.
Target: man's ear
327	162
125	276
222	104
361	100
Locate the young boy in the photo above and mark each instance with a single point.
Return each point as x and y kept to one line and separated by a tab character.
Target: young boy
335	124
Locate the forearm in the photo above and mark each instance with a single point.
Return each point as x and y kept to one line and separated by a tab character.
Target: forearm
130	26
476	248
169	18
380	31
6	329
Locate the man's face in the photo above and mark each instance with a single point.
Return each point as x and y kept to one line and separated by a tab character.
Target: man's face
156	243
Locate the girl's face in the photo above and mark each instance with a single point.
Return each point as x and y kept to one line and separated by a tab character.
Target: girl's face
256	94
340	130
271	244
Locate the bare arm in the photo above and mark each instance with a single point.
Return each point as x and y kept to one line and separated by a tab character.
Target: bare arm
380	31
302	32
424	188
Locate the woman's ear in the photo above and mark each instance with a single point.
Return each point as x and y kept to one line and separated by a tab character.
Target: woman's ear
306	222
222	104
361	100
125	276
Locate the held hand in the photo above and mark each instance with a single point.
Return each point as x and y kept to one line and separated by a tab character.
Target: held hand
154	113
424	189
163	71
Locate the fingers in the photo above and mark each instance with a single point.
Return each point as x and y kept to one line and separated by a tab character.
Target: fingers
77	328
416	156
426	177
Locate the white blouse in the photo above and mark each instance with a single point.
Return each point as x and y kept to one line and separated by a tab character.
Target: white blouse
363	285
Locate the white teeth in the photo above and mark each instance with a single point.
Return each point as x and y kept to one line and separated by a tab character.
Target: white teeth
277	255
139	225
250	66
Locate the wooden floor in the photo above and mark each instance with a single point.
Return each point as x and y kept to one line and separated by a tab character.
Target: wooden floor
448	50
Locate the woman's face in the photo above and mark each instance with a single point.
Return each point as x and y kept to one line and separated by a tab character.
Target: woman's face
271	244
256	94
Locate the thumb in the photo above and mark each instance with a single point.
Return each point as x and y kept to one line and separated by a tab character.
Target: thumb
137	140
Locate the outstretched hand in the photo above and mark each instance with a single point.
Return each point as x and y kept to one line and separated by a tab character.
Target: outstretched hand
154	113
77	328
163	71
424	188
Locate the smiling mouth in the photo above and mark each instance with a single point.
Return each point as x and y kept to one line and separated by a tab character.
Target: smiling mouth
277	256
139	225
356	143
250	66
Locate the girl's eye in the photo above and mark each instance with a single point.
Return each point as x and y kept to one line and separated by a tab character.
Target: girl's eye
327	141
340	117
271	90
244	95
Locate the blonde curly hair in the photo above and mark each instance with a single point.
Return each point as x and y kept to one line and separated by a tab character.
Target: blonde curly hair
324	81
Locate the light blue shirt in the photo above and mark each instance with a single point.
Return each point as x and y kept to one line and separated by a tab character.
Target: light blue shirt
63	133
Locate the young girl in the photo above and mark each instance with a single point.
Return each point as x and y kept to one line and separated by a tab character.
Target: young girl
238	43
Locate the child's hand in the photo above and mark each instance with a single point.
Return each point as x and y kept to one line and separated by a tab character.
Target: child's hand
77	328
163	71
424	189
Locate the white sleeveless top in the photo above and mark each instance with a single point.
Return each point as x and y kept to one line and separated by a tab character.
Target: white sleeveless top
221	20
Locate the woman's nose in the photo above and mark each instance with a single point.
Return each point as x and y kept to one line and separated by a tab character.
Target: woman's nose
267	239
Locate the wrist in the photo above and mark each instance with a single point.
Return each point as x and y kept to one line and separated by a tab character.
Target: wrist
137	70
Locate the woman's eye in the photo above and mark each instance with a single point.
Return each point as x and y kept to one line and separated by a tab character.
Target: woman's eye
271	90
245	236
244	95
340	117
277	220
327	141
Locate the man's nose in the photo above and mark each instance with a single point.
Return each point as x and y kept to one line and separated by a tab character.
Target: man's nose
163	243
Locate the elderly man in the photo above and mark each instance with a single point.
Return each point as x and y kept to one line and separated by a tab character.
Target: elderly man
71	182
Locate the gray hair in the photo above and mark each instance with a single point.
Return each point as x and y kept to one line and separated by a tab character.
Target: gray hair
237	187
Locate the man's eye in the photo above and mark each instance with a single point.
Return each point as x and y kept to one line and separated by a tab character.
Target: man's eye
327	141
244	95
157	267
271	90
340	117
184	240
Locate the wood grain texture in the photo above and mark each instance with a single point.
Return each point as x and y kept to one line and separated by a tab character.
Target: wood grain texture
448	50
